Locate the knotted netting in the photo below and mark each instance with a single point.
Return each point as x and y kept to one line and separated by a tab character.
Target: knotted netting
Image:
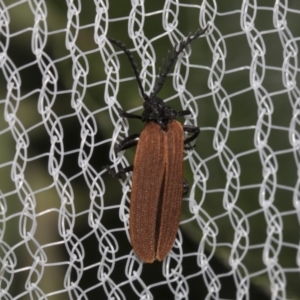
64	220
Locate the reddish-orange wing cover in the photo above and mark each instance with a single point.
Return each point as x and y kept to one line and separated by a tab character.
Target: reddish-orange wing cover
157	187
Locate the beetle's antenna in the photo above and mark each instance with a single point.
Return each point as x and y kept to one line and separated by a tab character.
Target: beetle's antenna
133	64
172	58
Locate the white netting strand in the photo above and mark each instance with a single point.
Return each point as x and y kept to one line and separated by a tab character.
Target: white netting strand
64	219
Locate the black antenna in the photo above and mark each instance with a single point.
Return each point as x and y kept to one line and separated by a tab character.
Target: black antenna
133	64
171	59
166	68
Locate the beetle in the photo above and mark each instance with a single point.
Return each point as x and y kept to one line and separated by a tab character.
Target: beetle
158	184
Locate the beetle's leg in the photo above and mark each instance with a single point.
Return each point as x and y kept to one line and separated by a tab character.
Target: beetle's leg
189	128
185	188
125	144
120	173
128	115
184	113
195	132
125	114
128	142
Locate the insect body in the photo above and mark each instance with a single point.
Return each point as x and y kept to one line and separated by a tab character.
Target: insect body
157	183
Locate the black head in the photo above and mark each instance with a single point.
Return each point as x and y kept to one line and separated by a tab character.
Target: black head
154	108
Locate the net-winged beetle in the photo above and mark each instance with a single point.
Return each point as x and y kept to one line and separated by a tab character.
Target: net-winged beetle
157	183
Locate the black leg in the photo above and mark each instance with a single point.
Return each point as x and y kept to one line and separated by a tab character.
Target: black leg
193	129
128	142
184	113
185	188
120	173
125	114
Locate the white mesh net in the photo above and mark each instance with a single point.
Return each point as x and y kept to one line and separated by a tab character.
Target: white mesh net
64	221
